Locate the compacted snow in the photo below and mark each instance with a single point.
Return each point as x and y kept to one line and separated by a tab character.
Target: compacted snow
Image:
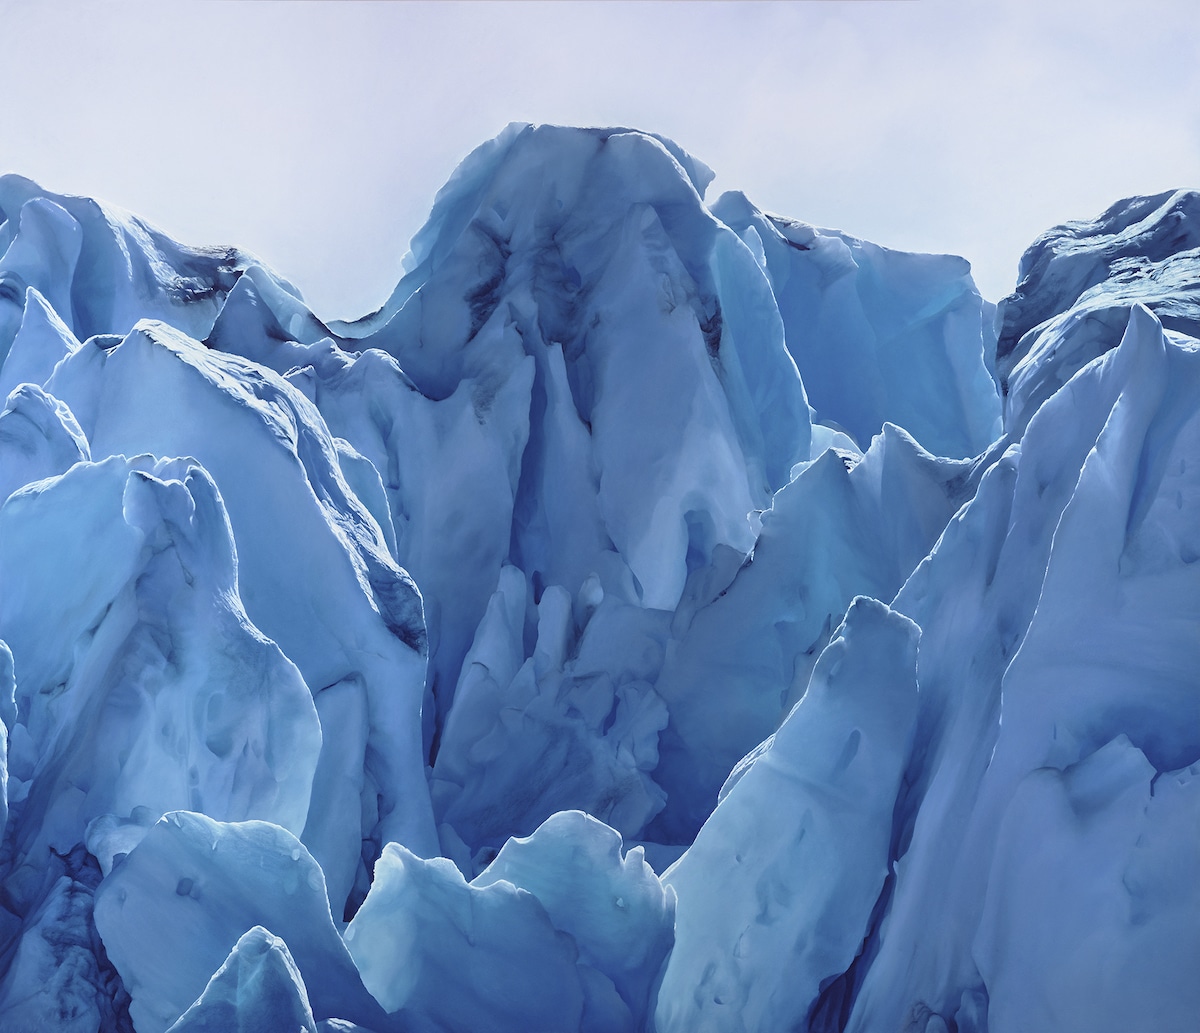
658	616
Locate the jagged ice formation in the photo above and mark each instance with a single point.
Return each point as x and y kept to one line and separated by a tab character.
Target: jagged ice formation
659	616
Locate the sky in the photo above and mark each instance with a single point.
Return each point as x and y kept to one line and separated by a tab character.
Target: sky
316	134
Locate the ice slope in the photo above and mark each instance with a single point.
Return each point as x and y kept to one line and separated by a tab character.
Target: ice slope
362	676
159	693
804	837
1078	537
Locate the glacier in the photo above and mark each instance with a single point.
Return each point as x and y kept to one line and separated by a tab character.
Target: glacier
659	615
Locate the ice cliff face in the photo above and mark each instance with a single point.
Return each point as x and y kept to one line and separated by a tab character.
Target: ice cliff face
657	616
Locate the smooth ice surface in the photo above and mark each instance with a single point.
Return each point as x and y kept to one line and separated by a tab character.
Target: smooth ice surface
1118	877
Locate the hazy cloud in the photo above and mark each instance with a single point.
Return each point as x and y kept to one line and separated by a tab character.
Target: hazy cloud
317	134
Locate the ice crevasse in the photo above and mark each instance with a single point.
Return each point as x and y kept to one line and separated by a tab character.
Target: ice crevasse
660	615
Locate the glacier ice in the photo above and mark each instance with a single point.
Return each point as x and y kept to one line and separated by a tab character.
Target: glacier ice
163	694
832	533
41	340
58	977
1132	830
560	931
174	909
257	990
1078	284
800	841
619	913
422	925
658	615
39	438
313	568
878	335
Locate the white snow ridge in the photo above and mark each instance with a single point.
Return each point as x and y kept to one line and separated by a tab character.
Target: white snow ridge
658	616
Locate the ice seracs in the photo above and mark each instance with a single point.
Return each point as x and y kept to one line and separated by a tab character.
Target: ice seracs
174	909
744	645
1078	283
659	615
39	438
606	897
776	895
161	694
314	572
878	335
423	929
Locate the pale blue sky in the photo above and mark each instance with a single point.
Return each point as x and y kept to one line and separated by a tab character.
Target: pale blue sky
316	134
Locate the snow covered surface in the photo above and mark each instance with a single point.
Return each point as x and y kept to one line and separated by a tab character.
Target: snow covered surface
657	616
